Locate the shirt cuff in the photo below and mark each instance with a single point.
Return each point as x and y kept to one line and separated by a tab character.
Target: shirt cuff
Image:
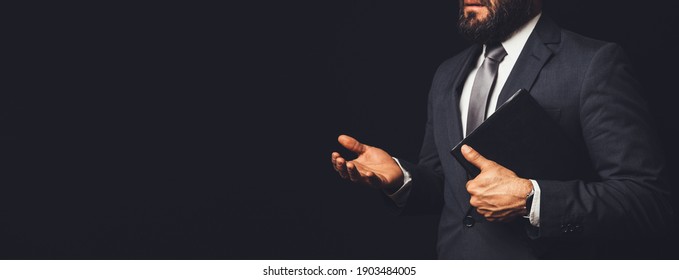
534	215
401	195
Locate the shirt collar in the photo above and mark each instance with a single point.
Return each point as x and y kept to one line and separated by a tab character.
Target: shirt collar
514	44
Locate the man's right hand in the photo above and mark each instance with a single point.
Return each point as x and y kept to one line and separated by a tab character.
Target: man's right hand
373	167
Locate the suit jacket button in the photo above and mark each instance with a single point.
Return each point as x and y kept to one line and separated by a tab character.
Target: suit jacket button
468	221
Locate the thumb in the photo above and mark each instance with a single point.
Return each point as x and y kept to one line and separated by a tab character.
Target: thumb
352	144
475	158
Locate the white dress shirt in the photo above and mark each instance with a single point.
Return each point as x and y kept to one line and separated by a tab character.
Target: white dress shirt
513	46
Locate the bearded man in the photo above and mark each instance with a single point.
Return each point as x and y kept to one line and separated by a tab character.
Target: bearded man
586	86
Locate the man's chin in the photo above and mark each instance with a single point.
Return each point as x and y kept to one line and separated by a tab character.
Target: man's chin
473	23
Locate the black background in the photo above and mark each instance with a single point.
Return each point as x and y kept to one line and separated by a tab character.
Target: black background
197	131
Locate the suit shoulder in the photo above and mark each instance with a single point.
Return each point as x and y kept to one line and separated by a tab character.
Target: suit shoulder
458	58
454	62
576	49
584	44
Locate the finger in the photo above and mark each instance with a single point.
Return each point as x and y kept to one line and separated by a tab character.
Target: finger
351	144
508	215
341	168
474	201
475	158
354	176
335	163
373	179
334	157
472	187
486	214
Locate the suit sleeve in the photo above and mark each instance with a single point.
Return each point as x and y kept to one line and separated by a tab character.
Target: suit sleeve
631	198
426	192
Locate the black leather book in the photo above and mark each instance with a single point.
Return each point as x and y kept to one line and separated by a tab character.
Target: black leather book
523	137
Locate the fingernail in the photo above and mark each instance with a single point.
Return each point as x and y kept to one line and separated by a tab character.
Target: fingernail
465	149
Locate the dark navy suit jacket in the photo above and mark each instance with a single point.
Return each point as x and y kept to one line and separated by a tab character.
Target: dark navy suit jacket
589	88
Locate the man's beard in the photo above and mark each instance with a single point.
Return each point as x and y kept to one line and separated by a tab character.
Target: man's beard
499	24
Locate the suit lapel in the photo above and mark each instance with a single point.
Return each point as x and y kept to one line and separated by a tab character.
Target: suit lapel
452	97
533	57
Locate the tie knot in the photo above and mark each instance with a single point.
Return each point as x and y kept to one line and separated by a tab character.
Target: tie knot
495	52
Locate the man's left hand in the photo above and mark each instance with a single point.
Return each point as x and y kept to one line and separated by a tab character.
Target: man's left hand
496	193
